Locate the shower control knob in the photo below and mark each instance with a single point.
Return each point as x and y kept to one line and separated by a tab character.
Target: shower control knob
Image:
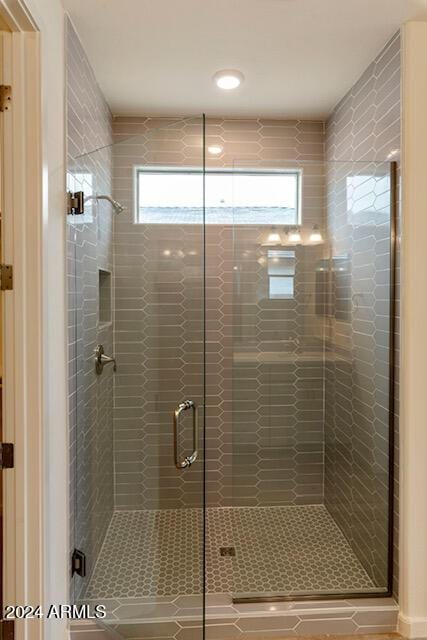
101	360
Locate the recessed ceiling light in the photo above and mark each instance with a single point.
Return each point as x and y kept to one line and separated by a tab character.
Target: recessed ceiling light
215	149
228	79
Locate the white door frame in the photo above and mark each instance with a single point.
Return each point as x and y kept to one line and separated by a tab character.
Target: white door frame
36	490
22	344
413	436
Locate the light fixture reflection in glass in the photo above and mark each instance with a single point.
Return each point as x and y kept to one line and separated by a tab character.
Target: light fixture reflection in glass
274	237
215	149
167	252
315	235
294	236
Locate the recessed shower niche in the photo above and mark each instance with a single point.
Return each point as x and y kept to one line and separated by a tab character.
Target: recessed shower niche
104	298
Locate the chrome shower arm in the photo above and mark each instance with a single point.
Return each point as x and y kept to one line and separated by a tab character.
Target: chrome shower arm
117	206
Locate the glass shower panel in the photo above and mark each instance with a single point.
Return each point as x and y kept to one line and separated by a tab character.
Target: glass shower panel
359	364
311	373
137	334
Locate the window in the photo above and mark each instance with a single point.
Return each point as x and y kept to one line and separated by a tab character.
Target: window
232	197
281	274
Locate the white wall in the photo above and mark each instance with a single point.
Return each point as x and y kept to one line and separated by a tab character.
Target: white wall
49	17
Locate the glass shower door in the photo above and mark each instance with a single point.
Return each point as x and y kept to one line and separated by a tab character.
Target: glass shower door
137	338
312	379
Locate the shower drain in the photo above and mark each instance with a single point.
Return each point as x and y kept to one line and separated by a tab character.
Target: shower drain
227	551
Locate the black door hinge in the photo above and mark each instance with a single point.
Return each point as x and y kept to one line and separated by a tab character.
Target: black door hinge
6	277
6	455
78	563
7	629
5	97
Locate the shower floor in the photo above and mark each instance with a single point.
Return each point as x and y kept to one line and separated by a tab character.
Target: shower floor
249	551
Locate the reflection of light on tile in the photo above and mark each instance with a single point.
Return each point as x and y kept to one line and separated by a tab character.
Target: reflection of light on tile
393	154
166	252
215	149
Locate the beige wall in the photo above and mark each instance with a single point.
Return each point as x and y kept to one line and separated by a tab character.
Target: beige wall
413	548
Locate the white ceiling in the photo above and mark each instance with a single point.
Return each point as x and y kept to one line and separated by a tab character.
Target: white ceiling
299	57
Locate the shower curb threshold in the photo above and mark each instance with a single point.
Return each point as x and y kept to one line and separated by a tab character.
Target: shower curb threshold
298	618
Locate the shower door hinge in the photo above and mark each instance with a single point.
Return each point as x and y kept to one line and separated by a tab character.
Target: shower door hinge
6	455
75	203
78	563
5	97
7	629
6	277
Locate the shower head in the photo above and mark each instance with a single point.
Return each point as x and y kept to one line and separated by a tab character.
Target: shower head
118	208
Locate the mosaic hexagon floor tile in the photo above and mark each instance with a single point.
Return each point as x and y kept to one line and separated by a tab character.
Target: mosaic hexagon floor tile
249	551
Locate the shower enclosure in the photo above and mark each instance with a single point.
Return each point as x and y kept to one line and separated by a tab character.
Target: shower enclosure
231	376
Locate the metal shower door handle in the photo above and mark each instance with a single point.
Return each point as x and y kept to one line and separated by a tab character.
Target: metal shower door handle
188	460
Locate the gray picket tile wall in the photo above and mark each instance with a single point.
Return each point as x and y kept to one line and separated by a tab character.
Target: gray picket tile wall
264	447
365	126
89	248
